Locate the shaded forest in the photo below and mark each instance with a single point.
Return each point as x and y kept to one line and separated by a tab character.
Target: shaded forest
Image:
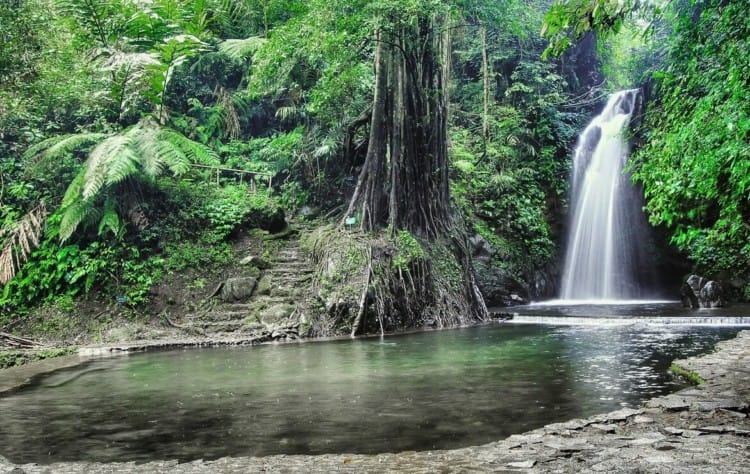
142	139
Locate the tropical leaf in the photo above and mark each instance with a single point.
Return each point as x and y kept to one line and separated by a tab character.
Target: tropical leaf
72	216
111	161
241	49
56	147
198	153
110	220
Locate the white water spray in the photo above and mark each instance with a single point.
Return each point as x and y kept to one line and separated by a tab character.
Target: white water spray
603	243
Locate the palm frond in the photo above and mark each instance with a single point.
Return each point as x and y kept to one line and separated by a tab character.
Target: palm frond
241	49
20	241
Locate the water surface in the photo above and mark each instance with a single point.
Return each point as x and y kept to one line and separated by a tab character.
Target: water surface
435	390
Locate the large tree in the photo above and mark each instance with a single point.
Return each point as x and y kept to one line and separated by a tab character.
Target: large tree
403	183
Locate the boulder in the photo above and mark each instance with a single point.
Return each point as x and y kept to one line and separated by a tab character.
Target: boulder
499	287
699	292
236	289
711	295
481	250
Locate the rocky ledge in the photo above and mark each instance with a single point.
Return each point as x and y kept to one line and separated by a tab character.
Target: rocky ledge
704	429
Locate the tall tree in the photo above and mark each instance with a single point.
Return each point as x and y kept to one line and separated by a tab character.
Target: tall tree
403	183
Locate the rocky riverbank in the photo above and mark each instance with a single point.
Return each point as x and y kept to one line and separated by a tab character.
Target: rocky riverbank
704	429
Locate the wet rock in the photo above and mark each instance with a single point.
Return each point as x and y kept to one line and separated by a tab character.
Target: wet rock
236	289
699	292
711	295
640	419
528	464
604	428
481	250
669	403
499	287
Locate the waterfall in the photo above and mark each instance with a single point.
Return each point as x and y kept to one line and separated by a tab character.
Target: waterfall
604	246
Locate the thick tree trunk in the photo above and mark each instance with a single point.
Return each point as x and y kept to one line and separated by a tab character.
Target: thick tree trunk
407	165
369	194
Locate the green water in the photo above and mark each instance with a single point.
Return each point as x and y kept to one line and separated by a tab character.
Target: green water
434	390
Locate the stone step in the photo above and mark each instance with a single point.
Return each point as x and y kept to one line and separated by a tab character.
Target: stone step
293	261
290	271
276	299
219	315
224	326
232	307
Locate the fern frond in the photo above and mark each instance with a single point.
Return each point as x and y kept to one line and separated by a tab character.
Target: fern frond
20	241
75	189
464	166
111	161
288	112
39	148
72	217
196	152
110	221
503	181
241	49
157	153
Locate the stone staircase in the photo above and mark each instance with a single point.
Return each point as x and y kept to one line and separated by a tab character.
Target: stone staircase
277	307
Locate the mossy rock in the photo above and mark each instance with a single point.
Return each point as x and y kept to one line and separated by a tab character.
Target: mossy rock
264	286
276	313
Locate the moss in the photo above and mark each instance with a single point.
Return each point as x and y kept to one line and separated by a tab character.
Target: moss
17	358
688	375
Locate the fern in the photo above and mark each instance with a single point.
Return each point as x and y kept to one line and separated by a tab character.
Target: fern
146	148
110	220
241	49
198	153
54	148
158	153
20	240
72	216
74	191
110	162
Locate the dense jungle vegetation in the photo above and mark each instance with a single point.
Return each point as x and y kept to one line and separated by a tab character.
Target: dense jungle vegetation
139	137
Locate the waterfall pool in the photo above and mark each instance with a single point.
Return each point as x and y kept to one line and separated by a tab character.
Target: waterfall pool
423	391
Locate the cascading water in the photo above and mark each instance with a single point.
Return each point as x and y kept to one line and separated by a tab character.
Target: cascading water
604	245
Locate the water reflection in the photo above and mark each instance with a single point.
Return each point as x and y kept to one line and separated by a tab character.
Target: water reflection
424	391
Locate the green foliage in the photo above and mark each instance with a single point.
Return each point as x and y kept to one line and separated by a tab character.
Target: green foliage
694	166
52	271
568	20
408	250
145	148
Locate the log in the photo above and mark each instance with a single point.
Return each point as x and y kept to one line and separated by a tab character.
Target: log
16	341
